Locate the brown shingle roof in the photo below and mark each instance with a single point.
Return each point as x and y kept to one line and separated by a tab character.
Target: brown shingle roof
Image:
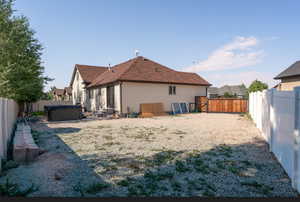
58	91
68	90
89	73
144	70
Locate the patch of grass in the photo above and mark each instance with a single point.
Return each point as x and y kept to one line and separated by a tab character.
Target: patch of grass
162	158
103	126
208	193
181	166
35	135
79	188
125	182
96	187
108	137
176	186
111	143
200	166
265	189
220	164
180	132
9	165
12	189
40	113
158	175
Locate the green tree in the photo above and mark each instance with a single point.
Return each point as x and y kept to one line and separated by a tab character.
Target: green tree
21	70
257	85
228	95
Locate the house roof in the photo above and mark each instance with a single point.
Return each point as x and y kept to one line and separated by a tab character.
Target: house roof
234	89
141	69
88	73
293	70
68	90
58	91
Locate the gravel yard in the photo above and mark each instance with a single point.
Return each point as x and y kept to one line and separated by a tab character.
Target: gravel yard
209	155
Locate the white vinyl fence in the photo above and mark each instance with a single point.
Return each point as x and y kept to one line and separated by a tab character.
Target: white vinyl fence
277	115
8	115
39	106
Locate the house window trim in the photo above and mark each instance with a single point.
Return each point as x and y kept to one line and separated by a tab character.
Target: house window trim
172	90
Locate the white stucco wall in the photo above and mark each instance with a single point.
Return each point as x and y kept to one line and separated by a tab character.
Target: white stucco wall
77	89
117	98
134	93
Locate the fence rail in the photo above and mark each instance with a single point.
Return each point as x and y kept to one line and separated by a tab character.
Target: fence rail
276	115
8	115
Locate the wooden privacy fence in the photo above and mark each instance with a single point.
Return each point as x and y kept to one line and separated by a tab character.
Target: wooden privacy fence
39	106
8	116
225	105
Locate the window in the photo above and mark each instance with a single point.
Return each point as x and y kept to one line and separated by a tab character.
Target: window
172	90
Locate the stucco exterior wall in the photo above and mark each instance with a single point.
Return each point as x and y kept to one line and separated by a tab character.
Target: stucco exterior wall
117	98
288	84
134	93
78	90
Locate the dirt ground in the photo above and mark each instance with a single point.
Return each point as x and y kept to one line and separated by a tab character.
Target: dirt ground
210	155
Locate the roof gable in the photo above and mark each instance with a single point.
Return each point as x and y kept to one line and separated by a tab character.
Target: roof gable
88	73
141	69
293	70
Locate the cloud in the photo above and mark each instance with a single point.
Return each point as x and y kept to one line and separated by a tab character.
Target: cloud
238	78
238	53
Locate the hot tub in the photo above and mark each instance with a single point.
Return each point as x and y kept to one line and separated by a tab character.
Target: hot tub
63	112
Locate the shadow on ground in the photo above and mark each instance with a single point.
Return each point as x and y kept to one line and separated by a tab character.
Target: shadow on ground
246	170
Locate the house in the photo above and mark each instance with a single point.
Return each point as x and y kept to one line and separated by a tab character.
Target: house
82	76
239	91
58	94
67	94
290	77
125	86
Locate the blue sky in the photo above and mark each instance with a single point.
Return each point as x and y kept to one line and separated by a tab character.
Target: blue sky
226	42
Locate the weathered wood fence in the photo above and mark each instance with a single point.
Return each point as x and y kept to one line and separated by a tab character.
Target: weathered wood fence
8	116
277	115
224	105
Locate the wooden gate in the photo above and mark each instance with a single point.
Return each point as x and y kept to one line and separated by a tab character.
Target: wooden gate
225	105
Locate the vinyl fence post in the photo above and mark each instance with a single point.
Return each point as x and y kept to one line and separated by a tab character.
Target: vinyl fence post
296	139
272	118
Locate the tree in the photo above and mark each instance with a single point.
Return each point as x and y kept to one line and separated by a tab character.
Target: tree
257	85
228	95
21	70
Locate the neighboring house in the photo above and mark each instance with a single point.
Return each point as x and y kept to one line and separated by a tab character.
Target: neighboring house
58	94
68	94
290	77
125	86
239	91
82	76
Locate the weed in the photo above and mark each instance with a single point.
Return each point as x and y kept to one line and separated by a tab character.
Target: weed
265	189
111	143
181	166
9	165
108	137
126	182
163	157
208	193
103	126
96	187
35	135
78	188
200	166
176	186
11	189
150	175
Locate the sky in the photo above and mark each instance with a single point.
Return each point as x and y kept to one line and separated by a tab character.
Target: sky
226	42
